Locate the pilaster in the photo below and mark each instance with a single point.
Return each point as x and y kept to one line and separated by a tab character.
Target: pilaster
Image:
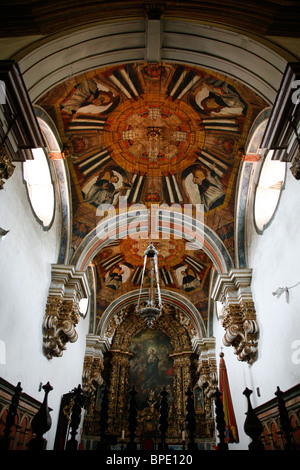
93	364
207	366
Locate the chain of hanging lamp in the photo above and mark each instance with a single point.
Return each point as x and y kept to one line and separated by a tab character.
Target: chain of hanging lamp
152	310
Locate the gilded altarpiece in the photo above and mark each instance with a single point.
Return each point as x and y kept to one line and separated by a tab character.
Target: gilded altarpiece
150	359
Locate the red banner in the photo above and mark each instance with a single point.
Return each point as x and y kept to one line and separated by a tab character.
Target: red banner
231	431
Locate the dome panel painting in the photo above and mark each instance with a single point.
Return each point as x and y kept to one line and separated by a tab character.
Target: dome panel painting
119	269
153	135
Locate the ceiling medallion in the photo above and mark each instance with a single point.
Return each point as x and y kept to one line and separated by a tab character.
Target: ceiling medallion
154	133
154	130
153	308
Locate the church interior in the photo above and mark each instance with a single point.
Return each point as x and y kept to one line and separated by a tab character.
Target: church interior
149	176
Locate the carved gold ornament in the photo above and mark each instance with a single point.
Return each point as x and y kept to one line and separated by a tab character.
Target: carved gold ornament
59	326
122	327
6	166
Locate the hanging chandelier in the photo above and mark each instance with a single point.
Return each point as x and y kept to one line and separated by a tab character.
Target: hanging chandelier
153	308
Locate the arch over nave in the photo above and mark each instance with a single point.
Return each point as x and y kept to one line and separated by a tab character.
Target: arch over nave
154	113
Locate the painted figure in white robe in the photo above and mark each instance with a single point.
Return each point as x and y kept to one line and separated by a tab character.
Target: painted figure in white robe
210	187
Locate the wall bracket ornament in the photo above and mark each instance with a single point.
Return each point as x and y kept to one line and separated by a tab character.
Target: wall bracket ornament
239	320
59	326
67	288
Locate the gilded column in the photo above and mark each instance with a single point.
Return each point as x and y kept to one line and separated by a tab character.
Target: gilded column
118	389
178	396
182	381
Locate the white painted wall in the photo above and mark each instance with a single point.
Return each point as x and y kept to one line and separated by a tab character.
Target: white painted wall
27	253
274	257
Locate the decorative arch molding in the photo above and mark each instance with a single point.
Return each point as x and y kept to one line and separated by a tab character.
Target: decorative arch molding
168	323
242	196
171	298
228	52
203	238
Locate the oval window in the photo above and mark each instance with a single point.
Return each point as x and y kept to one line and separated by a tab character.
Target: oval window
83	306
268	191
40	189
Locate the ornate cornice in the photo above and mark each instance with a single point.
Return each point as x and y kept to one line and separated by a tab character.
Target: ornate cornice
68	283
62	315
238	319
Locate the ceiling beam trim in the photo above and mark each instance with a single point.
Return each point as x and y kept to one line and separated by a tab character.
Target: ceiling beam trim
195	44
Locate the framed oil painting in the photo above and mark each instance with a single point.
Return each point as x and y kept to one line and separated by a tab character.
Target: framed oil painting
151	367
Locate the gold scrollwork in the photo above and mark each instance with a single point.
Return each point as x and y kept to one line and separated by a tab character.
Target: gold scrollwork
59	326
6	166
122	328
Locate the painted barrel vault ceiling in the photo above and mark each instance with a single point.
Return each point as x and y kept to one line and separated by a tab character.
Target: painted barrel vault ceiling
152	133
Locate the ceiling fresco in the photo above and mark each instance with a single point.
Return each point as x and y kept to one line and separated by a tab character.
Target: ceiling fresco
153	134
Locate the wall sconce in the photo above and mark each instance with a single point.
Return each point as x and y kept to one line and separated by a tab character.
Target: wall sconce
3	233
280	290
